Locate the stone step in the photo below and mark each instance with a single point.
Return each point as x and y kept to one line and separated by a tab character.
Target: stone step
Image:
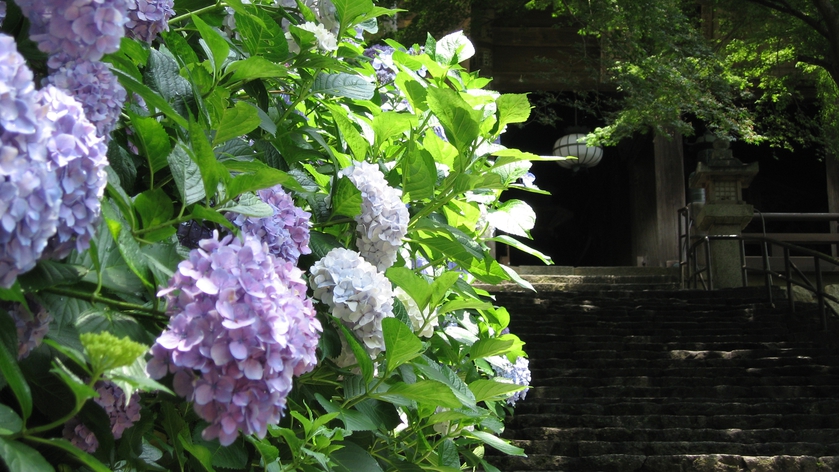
679	406
685	391
712	359
566	437
665	382
716	417
805	368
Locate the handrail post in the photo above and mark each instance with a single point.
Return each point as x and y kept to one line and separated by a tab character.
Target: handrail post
767	277
743	271
788	271
820	292
708	262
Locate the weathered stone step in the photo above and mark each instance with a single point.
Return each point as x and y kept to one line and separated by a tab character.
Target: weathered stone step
566	436
768	418
665	382
670	463
657	448
684	353
686	391
725	370
661	363
679	406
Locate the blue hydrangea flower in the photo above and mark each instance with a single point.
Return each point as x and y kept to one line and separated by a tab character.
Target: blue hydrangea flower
383	221
356	293
82	29
122	414
241	327
286	232
518	373
78	158
31	327
94	85
29	191
147	18
382	62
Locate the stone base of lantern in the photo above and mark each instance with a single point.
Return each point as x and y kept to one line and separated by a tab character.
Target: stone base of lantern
725	219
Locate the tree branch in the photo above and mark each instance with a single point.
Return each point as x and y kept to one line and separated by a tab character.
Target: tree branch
783	6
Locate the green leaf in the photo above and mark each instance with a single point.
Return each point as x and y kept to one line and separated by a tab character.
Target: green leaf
349	10
14	376
237	121
257	176
48	273
496	443
81	391
155	208
503	238
514	217
10	422
21	458
153	99
163	74
262	35
415	285
444	374
128	247
352	458
441	286
361	355
207	214
401	345
347	199
153	140
391	123
459	120
448	455
490	347
430	392
485	389
463	304
453	48
254	67
249	204
267	451
419	174
512	108
414	91
199	452
353	420
212	172
106	321
442	151
186	174
218	46
344	85
357	144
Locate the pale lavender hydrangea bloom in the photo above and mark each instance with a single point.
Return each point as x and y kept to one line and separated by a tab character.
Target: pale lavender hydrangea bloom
383	221
29	192
2	10
82	29
518	373
94	85
31	328
78	158
286	232
112	400
241	327
147	18
382	62
356	293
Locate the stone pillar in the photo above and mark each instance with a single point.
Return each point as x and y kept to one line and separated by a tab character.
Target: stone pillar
724	213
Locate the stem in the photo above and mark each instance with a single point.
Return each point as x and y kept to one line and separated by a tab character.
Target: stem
193	13
96	298
46	427
166	224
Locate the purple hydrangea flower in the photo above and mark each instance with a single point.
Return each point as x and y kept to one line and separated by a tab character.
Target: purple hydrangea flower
112	400
94	85
518	373
356	293
147	18
82	29
286	232
382	62
383	221
29	191
31	328
241	327
78	158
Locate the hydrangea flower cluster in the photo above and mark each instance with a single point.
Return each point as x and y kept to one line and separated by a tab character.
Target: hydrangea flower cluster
31	328
82	29
423	325
29	193
383	221
240	329
518	373
94	86
326	41
112	400
286	232
78	156
356	293
147	18
382	61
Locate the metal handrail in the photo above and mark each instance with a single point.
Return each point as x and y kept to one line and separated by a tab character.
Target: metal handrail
819	258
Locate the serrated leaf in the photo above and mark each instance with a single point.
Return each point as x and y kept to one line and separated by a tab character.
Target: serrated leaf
514	217
430	392
512	108
153	99
257	176
152	139
344	85
504	239
490	347
347	199
48	273
127	246
416	286
401	345
14	377
255	67
249	204
496	443
459	120
391	123
349	10
186	174
261	35
352	458
155	208
444	374
237	121
212	171
353	420
453	48
361	355
357	144
21	458
485	389
219	49
163	75
10	422
419	174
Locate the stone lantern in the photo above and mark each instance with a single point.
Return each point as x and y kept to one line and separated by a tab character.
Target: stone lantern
724	212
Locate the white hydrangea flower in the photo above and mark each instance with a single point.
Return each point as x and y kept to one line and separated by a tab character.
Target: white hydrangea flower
383	221
327	42
356	293
422	325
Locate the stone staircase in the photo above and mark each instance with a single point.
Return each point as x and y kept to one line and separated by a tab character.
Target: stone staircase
667	380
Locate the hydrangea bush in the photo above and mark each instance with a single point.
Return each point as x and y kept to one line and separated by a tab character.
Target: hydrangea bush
233	236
